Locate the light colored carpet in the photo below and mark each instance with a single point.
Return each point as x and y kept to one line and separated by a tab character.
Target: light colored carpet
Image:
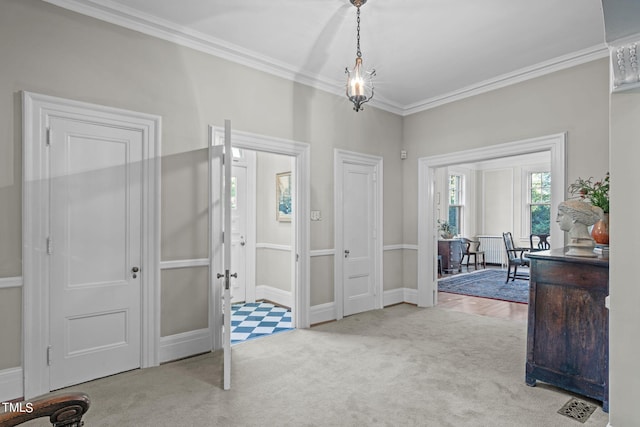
401	366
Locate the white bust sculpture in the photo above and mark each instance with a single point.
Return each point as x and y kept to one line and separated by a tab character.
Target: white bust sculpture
575	216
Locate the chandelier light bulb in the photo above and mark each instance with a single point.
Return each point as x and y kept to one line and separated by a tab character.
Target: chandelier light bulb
357	83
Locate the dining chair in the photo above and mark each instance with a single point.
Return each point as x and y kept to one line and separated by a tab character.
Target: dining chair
471	248
516	258
539	242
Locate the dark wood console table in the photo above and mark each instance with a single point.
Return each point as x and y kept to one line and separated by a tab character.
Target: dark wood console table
451	252
568	330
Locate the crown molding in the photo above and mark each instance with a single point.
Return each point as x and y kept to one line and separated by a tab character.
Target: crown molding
133	19
117	14
523	74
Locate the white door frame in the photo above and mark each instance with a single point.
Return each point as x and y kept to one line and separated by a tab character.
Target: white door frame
251	237
249	163
427	236
37	109
301	205
340	158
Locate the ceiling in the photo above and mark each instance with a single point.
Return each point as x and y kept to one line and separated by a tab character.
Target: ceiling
425	52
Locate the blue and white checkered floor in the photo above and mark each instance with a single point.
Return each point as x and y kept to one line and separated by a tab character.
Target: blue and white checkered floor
257	319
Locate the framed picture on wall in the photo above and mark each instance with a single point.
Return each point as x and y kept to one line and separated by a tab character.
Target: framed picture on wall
283	197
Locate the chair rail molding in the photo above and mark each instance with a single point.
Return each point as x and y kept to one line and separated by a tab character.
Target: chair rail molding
10	282
322	252
184	263
274	247
400	246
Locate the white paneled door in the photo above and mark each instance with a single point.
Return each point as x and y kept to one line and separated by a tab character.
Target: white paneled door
359	238
95	250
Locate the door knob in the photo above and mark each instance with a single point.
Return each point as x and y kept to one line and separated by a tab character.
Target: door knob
242	241
135	270
346	253
226	276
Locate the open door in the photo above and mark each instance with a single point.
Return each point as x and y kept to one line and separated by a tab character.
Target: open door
220	250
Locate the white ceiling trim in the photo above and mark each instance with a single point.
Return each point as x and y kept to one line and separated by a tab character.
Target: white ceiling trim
123	16
547	67
134	20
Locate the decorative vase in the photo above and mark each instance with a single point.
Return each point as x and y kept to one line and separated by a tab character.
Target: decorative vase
600	231
446	235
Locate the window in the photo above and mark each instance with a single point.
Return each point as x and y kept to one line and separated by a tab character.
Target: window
234	192
456	202
539	202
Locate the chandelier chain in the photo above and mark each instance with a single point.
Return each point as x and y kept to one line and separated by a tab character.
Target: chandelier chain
358	32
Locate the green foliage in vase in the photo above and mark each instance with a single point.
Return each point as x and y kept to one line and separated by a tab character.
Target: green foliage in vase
597	193
446	229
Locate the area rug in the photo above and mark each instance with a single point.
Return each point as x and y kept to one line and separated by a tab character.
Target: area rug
486	284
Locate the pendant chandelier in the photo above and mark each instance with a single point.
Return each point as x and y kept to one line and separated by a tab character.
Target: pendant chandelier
359	82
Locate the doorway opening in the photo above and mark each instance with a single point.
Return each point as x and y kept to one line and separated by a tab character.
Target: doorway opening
554	145
476	202
274	236
262	242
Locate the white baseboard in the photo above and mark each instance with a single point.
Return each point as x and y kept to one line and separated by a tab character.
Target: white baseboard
400	295
322	313
411	296
11	384
327	312
276	295
393	296
186	344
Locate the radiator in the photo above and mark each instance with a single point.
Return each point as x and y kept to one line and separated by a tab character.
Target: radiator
493	247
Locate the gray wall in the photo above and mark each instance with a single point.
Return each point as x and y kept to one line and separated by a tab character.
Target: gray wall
575	100
273	266
49	50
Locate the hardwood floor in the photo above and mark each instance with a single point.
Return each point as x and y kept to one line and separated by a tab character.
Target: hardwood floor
483	306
